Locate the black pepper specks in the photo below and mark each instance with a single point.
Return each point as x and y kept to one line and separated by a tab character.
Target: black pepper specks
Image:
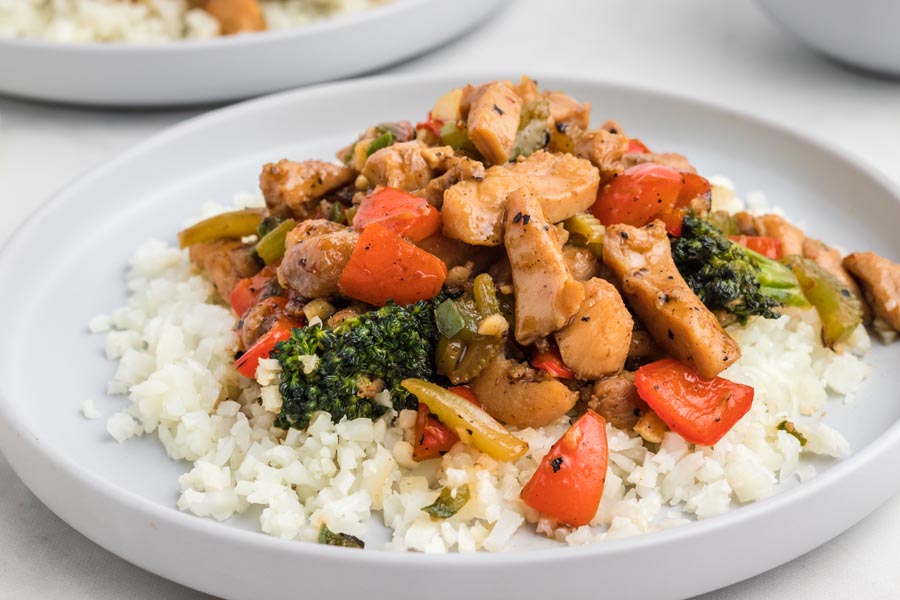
499	110
585	319
624	235
556	463
517	218
526	219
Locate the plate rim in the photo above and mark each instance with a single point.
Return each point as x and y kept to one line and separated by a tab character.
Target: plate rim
880	446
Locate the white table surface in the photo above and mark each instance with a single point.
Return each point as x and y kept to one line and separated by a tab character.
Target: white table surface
723	51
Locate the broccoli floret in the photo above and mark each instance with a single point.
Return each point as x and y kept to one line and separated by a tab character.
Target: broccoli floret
389	344
726	276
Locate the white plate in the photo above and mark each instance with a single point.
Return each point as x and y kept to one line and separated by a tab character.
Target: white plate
67	263
228	68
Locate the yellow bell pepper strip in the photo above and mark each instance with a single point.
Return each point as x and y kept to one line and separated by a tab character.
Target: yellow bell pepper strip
231	225
473	425
838	307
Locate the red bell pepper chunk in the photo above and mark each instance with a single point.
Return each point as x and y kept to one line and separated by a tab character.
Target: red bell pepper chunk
433	438
395	210
767	246
700	410
646	192
568	484
431	124
550	361
247	292
383	266
249	360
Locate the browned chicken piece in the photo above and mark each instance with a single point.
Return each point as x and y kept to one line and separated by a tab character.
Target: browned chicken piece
235	16
310	228
595	343
473	210
527	89
566	109
493	121
546	293
455	253
642	262
880	281
226	262
407	166
643	348
617	400
830	259
582	263
605	150
292	189
775	226
669	159
461	168
258	320
313	265
512	393
565	185
651	427
745	222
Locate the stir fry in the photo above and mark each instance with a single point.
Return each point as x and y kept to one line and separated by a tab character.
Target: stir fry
501	264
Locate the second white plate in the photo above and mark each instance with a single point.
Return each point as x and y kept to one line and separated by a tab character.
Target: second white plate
229	68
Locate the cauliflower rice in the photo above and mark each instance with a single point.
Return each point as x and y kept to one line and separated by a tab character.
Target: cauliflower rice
147	20
175	346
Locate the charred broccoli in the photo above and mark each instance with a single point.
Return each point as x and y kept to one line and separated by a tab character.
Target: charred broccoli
726	276
364	354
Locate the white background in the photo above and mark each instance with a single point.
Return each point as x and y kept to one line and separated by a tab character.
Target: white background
718	50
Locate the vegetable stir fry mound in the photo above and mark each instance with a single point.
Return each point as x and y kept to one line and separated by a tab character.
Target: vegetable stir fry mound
502	264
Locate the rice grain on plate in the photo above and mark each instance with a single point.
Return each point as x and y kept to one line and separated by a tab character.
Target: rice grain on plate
175	346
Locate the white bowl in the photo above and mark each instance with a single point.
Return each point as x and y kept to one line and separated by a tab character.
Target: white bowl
861	33
228	68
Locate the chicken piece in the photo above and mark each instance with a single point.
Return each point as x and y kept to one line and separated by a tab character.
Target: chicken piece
226	262
669	159
776	226
511	394
493	121
292	189
596	342
259	319
473	210
830	259
880	281
310	228
546	293
461	168
527	89
651	427
605	150
643	348
455	253
641	259
581	262
407	166
313	265
565	185
566	109
235	16
617	400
